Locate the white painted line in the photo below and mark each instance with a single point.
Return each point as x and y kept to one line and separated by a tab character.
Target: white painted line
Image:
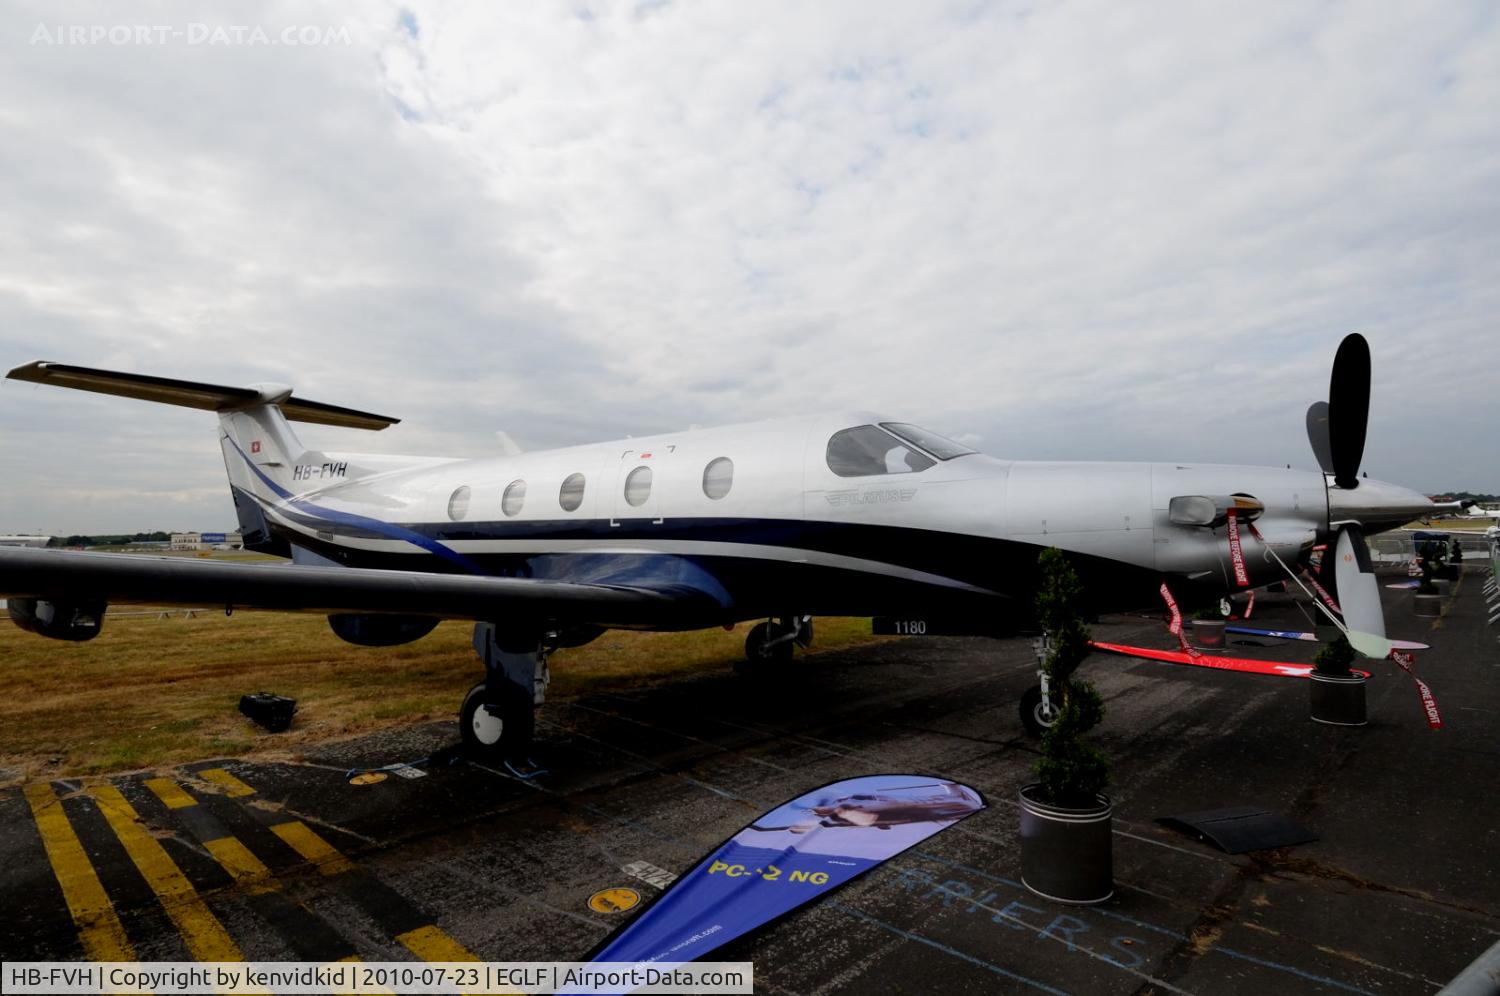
649	873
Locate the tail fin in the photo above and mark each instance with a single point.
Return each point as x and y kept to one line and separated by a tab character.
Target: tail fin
263	456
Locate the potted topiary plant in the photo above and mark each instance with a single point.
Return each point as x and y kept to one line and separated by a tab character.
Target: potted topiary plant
1208	626
1336	695
1066	843
1455	561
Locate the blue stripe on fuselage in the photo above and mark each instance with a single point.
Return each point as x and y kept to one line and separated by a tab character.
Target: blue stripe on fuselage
375	526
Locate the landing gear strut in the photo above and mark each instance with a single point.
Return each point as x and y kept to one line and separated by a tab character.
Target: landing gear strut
497	717
1038	710
772	642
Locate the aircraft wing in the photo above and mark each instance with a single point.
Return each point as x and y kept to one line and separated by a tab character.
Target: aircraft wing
115	577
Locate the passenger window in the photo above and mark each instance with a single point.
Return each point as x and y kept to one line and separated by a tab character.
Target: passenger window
718	477
513	498
571	495
458	503
865	451
638	486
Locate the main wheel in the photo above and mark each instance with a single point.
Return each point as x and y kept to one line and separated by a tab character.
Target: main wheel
759	648
1034	718
496	737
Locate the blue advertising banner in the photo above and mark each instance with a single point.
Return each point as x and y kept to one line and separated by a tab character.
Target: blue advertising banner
788	857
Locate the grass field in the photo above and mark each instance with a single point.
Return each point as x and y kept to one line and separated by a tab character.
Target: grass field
151	691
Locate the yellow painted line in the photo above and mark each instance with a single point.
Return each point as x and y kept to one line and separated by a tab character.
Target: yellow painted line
232	786
170	793
246	869
99	929
312	847
432	944
205	936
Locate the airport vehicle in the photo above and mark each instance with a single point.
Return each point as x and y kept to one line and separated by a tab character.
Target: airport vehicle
848	513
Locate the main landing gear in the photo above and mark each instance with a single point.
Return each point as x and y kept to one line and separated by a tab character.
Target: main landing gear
773	641
497	717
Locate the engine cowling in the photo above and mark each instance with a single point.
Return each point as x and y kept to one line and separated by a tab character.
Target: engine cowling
372	630
58	620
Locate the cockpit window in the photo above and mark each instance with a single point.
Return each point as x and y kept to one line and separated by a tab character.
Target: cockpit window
866	450
938	446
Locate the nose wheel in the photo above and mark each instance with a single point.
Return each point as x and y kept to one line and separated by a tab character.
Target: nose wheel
1038	712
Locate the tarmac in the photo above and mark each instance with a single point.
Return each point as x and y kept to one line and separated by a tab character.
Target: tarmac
275	860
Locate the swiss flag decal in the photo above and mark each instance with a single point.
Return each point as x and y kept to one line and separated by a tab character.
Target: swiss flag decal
255	446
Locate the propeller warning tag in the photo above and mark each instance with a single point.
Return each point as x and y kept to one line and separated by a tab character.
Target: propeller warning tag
1236	551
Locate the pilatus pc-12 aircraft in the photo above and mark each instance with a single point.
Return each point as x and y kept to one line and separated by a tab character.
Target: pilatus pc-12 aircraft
843	514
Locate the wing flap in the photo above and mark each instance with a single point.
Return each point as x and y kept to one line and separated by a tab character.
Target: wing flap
60	574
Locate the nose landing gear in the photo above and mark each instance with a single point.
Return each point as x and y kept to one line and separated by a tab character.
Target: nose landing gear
1038	709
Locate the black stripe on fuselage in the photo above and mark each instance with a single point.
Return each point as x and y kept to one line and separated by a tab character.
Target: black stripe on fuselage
756	585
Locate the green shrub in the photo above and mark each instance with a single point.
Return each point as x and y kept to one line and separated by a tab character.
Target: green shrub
1429	571
1335	657
1071	771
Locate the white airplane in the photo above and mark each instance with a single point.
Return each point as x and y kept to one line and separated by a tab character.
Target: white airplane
844	514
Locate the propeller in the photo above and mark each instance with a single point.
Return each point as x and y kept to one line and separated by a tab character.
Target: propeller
1348	409
1359	593
1317	434
1336	430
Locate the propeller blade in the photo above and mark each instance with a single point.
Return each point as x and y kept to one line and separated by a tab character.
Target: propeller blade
1349	408
1359	594
1317	435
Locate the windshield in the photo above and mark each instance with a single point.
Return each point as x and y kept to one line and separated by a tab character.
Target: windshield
865	450
938	446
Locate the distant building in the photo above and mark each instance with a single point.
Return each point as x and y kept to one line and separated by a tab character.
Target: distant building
37	541
206	541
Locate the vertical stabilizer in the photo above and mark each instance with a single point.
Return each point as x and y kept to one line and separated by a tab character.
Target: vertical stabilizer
266	461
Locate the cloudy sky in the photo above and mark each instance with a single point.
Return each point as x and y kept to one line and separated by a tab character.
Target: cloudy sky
1068	230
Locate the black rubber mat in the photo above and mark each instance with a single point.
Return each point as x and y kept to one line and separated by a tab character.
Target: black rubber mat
1238	829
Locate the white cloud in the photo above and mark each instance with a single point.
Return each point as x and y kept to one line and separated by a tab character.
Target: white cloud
1073	230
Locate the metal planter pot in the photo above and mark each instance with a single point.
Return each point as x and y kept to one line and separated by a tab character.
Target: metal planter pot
1337	699
1209	632
1067	855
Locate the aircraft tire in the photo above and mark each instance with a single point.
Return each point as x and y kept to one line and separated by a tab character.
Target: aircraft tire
1032	717
758	648
501	737
805	635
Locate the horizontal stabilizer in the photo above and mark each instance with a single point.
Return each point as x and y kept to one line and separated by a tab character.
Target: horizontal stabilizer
190	394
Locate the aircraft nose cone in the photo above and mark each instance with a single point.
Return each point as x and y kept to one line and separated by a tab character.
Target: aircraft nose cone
1377	505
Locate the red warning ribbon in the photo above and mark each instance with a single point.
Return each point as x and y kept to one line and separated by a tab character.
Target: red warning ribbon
1236	553
1174	626
1429	704
1250	605
1322	593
